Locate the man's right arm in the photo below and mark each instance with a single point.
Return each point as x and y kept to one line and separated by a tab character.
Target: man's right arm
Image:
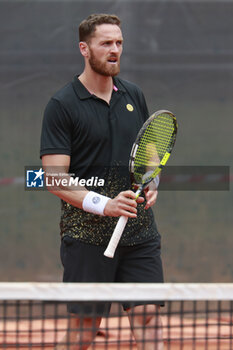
59	164
123	204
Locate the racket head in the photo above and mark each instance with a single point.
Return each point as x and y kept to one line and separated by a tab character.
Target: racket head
152	147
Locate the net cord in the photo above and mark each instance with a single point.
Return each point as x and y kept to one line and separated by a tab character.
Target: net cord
115	291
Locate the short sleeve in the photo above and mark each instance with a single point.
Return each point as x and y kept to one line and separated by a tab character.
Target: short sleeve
56	131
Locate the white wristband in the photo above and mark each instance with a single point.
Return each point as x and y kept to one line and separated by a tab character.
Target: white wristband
156	181
94	203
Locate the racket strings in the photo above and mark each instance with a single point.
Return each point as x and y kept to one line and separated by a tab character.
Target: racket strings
153	145
155	140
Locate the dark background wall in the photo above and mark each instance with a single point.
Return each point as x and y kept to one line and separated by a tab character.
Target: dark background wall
181	54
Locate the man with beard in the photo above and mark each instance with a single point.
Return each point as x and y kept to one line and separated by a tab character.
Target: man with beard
89	127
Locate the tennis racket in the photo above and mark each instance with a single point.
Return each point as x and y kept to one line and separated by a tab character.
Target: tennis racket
150	153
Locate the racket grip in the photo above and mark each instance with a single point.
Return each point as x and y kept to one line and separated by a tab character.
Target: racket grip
116	236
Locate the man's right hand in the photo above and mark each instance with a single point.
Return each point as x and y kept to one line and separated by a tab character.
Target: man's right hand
123	204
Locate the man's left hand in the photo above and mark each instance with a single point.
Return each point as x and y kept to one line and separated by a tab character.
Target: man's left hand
151	195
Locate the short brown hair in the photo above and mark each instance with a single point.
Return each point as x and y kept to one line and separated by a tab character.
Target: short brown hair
87	26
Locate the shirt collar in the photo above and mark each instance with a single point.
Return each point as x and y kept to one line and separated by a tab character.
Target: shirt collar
83	93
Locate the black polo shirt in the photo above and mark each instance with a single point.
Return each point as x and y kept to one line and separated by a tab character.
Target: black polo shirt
98	137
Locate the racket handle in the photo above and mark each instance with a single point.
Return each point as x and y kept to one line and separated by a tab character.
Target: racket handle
116	236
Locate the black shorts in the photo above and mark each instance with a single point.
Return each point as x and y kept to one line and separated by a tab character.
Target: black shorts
133	264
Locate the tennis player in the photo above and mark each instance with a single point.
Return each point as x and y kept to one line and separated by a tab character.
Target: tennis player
88	130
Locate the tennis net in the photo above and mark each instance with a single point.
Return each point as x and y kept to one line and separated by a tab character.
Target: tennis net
195	316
